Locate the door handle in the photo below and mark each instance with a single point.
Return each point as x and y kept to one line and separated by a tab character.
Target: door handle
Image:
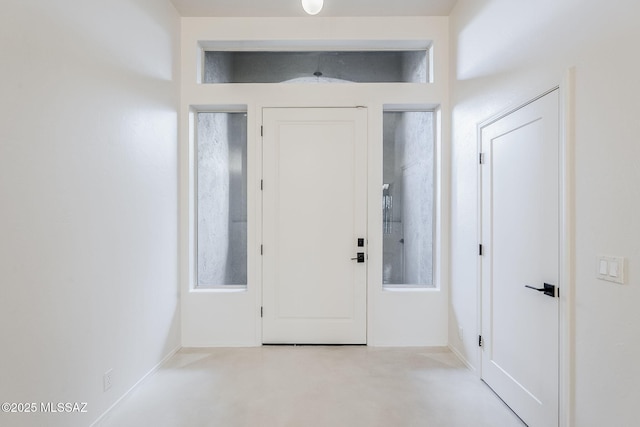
359	257
549	290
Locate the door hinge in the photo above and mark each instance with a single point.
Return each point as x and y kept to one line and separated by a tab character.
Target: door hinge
261	311
480	342
261	249
480	250
261	185
261	130
481	158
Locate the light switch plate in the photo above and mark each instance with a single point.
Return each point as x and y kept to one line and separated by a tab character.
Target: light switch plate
604	267
610	268
613	268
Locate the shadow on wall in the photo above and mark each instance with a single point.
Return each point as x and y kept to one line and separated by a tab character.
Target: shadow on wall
149	54
494	53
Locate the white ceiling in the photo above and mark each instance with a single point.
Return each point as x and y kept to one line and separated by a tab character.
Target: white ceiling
292	8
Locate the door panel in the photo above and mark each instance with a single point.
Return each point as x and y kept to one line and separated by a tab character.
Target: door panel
520	229
314	198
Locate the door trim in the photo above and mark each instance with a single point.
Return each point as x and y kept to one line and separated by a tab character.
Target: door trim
566	205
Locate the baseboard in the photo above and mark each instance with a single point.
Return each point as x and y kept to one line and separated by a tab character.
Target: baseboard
462	358
101	418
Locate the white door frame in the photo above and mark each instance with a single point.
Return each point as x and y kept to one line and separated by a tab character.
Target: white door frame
566	206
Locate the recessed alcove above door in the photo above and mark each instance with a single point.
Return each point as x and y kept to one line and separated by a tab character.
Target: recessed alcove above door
407	312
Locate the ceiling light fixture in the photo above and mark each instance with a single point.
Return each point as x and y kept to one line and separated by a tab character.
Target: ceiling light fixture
312	7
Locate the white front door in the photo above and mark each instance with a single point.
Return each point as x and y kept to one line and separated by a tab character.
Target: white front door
314	212
520	237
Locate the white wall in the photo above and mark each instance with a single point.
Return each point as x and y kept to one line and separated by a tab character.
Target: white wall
212	318
88	200
504	53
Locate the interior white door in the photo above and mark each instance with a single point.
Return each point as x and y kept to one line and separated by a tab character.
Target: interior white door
520	237
314	212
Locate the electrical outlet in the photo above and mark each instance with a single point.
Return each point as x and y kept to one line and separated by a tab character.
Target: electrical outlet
460	333
107	380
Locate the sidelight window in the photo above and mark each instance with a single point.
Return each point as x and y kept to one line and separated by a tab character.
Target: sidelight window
221	181
408	198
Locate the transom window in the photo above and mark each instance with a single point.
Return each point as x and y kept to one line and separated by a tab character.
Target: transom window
389	66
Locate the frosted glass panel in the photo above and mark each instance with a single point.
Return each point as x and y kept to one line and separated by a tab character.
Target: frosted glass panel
221	199
316	67
408	198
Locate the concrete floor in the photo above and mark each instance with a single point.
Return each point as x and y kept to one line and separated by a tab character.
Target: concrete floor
309	386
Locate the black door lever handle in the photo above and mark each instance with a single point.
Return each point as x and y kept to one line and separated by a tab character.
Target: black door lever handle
549	290
359	257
